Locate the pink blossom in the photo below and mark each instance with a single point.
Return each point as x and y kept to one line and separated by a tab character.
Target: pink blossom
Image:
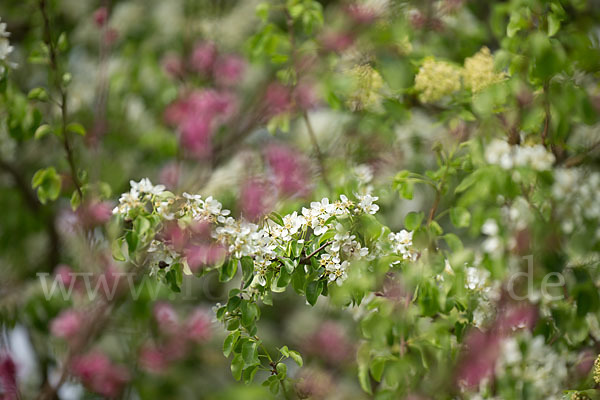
8	377
169	175
289	170
198	326
337	42
306	96
585	362
278	99
481	350
362	14
229	69
256	198
100	16
197	115
64	274
516	317
203	57
99	374
94	213
153	359
203	255
330	342
166	317
67	324
196	135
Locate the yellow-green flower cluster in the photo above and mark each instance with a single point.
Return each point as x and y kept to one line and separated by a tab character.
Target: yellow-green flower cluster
367	86
436	79
596	370
579	396
479	73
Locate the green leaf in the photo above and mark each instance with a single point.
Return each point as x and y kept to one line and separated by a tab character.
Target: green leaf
294	355
453	242
77	128
281	370
248	375
313	291
377	367
42	131
468	181
48	184
249	313
247	270
62	42
117	249
262	11
362	359
413	220
75	200
38	94
250	353
237	366
553	24
460	217
285	351
228	270
230	342
141	225
289	265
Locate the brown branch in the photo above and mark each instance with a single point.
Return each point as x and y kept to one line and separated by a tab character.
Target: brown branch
306	259
317	150
579	158
63	94
548	116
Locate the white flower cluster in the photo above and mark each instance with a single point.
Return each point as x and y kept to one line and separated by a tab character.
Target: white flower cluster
488	292
577	193
402	244
492	244
5	49
263	243
528	360
139	193
501	153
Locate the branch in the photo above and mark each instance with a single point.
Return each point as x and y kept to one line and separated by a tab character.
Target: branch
63	94
317	150
306	260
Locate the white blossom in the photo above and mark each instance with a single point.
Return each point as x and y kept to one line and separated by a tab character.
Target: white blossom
367	205
508	156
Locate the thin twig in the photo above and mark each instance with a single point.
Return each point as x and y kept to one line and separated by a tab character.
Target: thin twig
317	150
305	260
63	96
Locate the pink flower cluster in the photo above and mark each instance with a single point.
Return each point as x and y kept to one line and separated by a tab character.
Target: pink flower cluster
197	115
280	99
67	324
177	335
287	175
8	378
225	69
290	170
100	374
256	198
331	343
482	349
196	243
